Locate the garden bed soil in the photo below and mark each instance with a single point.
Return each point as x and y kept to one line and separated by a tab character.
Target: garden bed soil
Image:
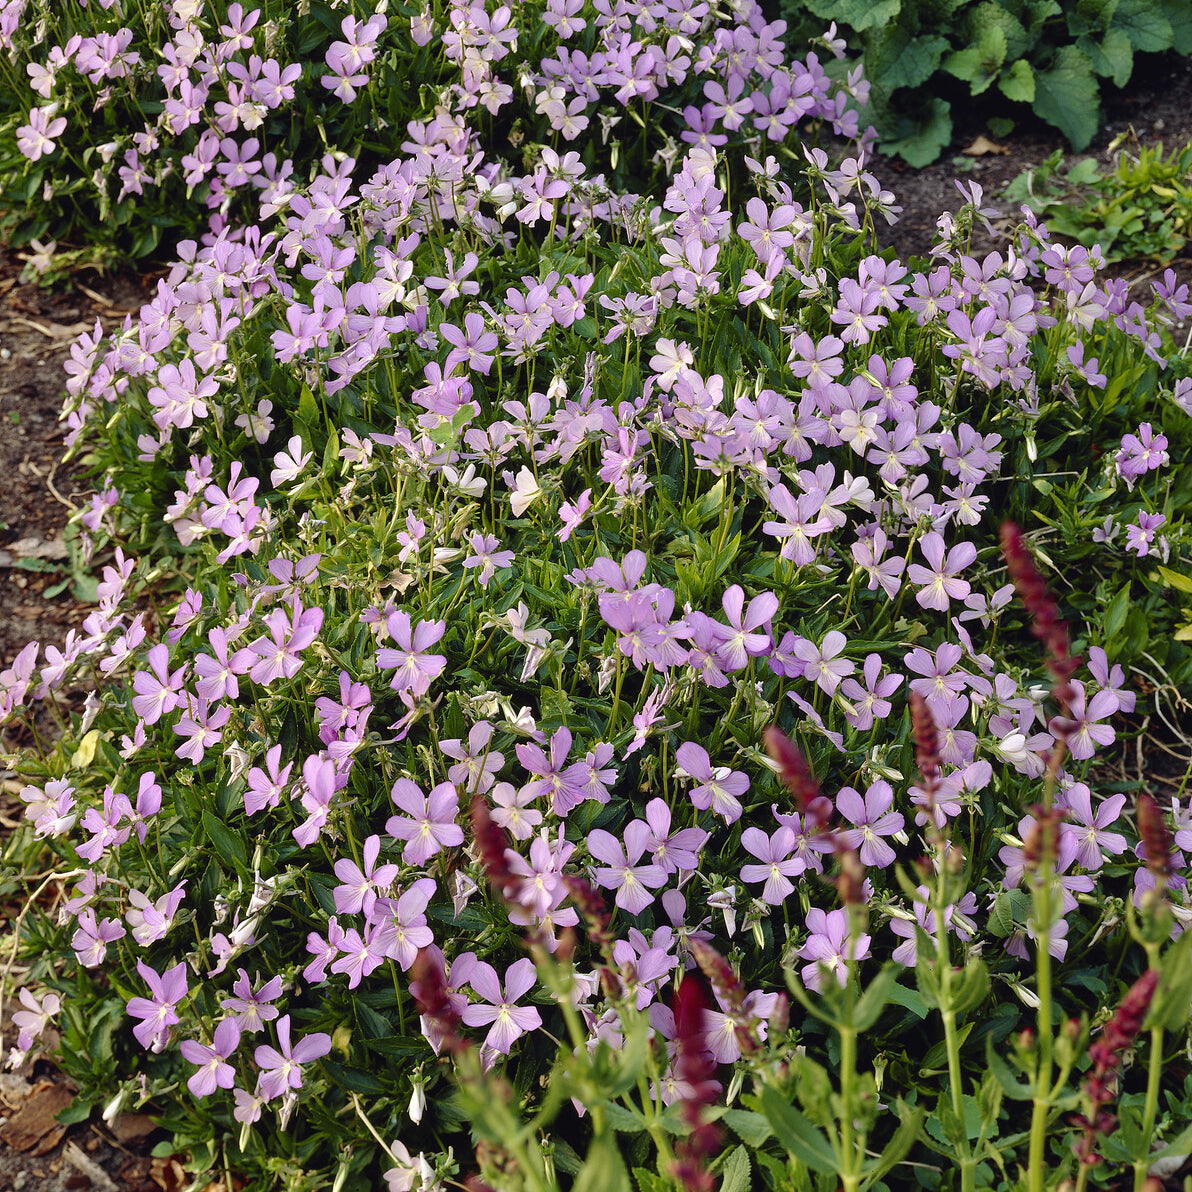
36	328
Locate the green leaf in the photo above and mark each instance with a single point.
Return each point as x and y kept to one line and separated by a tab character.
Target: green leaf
650	1181
736	1171
1015	1089
1169	1006
620	1119
228	845
1091	16
979	65
910	999
893	58
796	1133
992	14
1066	96
1176	579
946	1127
1009	911
1018	83
973	987
748	1126
1112	56
354	1079
1179	1147
1179	15
900	1143
1145	24
1115	616
922	142
604	1169
860	14
877	993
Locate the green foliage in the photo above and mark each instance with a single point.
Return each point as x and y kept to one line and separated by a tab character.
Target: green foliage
921	58
1140	209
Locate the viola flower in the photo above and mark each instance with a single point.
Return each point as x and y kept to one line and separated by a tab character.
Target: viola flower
430	826
250	1009
213	1071
487	557
359	888
821	664
777	865
509	1020
415	667
281	1066
1140	535
829	945
716	789
159	1012
621	871
939	584
872	819
564	784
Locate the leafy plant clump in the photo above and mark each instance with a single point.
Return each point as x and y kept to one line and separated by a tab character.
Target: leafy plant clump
503	513
1141	209
1053	57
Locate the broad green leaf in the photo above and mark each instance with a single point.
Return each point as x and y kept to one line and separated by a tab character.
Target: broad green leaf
1179	15
228	845
922	141
1018	83
1144	23
979	64
748	1126
860	14
972	988
84	753
1112	56
994	15
651	1181
1009	910
796	1133
945	1126
736	1171
1091	16
1115	617
1169	1007
1176	579
1179	1147
1066	96
603	1170
620	1119
893	58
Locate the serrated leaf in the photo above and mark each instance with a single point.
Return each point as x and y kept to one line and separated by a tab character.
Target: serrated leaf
1179	15
1067	97
228	846
1018	83
736	1171
1112	56
796	1133
979	65
1091	16
620	1119
1145	24
923	141
748	1126
860	14
894	59
992	14
649	1181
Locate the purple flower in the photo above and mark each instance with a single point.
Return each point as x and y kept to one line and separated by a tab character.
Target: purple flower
277	654
415	667
717	789
672	851
431	826
742	641
821	664
478	765
1089	830
872	819
487	557
90	940
565	786
251	1010
359	888
404	929
1140	536
509	1020
281	1067
213	1072
158	1013
621	872
829	945
870	702
777	865
939	584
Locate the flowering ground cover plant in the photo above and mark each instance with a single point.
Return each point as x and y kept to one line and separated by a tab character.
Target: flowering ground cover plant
504	511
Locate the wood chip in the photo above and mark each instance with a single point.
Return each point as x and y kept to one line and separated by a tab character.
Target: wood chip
84	1163
32	1127
51	330
983	146
38	548
133	1127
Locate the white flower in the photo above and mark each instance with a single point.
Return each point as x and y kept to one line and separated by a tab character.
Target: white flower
289	463
525	493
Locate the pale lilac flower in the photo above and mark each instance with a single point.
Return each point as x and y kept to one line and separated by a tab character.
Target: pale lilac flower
291	463
716	789
830	945
821	664
486	556
563	783
509	1020
281	1066
1139	536
415	667
477	765
621	871
158	1013
214	1072
358	888
870	702
939	584
777	865
872	819
36	139
250	1009
430	826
